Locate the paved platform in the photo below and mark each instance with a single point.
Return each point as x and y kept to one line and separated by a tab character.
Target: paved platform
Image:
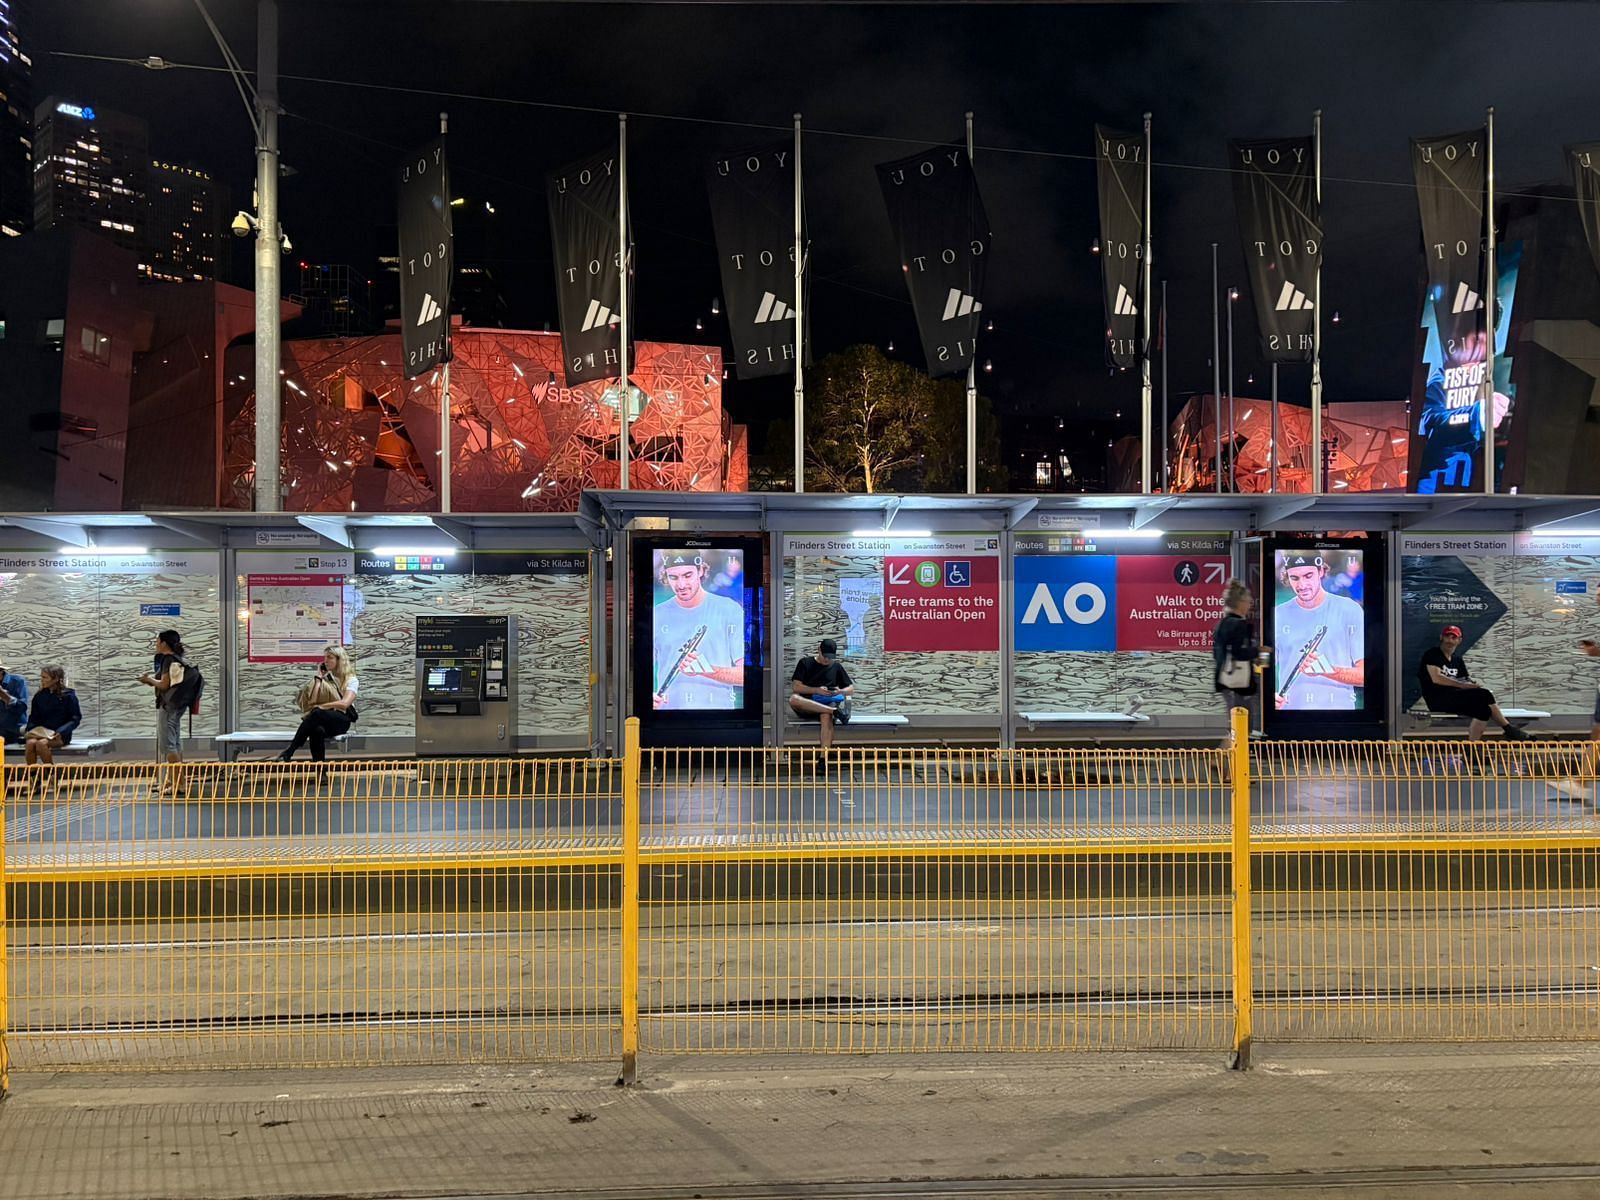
1479	1121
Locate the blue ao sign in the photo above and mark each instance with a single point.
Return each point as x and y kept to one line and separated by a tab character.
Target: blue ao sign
1066	602
1168	598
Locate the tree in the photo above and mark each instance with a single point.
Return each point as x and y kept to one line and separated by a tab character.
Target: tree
945	468
868	420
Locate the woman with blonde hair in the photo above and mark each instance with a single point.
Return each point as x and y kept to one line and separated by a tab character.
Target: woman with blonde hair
328	700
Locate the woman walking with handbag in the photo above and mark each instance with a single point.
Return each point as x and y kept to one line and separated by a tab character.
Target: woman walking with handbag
1234	651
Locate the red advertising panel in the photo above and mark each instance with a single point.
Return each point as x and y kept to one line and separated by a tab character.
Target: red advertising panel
937	602
1169	601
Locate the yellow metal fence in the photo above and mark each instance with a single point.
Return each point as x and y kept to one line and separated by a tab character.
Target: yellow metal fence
874	899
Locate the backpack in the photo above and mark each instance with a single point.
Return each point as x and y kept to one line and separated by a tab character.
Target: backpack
185	694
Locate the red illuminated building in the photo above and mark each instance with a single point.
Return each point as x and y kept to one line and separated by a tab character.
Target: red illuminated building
358	436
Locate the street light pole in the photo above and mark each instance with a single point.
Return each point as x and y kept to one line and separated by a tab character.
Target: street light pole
1233	416
1216	361
269	263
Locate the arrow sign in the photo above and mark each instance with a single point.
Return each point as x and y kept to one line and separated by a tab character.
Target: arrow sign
899	573
1215	572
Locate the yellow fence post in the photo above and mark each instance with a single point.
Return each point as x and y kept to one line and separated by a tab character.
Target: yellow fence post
1243	951
5	995
630	901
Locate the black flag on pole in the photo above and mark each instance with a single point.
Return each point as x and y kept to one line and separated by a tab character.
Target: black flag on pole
1450	192
427	254
1585	161
1120	169
1447	420
583	199
942	235
1280	224
752	214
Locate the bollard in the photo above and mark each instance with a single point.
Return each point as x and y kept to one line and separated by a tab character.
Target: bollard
630	903
1243	974
5	1002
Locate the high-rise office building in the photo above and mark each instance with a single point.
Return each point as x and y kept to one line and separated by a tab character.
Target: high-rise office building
335	300
90	169
184	234
16	125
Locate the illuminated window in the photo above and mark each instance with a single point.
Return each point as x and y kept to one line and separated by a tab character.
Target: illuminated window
95	345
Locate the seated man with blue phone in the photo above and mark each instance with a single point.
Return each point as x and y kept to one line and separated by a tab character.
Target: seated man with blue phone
821	690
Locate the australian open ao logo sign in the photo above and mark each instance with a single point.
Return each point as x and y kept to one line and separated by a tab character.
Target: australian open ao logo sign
1066	602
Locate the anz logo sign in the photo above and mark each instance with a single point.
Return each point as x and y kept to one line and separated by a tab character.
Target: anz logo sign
1066	603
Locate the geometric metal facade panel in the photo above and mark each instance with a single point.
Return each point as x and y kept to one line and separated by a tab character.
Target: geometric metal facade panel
1365	451
357	436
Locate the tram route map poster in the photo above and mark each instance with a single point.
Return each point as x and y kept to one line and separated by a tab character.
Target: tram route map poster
1319	629
698	620
293	618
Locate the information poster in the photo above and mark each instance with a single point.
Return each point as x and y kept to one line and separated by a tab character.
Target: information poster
1089	593
941	603
294	617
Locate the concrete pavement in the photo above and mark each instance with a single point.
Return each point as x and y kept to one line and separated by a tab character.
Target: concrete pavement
1308	1121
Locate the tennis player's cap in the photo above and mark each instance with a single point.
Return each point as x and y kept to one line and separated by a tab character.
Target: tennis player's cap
1450	631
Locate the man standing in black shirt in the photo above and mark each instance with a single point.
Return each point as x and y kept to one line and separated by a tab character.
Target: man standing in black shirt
820	683
1448	688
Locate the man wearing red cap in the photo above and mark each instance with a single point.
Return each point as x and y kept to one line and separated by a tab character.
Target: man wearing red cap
1448	688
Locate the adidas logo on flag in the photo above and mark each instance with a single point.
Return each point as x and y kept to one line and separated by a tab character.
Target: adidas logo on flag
959	304
1292	299
430	309
597	316
1466	299
1124	306
772	309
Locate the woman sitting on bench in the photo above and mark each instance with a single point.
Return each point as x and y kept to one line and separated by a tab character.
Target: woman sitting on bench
55	715
329	698
1447	688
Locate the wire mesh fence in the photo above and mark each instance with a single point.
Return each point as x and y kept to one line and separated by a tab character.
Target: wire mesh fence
873	899
265	914
1426	891
900	898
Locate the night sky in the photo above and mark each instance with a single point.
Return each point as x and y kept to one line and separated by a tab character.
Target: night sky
873	82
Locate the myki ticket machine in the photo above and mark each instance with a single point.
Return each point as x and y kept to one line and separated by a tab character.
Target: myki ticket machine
466	685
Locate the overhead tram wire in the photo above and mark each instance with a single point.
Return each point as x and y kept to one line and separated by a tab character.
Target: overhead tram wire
156	63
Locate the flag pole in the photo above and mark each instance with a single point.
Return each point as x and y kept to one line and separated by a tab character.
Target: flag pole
1146	434
623	257
1273	449
1489	281
799	319
1216	362
1233	416
1316	326
972	378
445	445
1166	474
